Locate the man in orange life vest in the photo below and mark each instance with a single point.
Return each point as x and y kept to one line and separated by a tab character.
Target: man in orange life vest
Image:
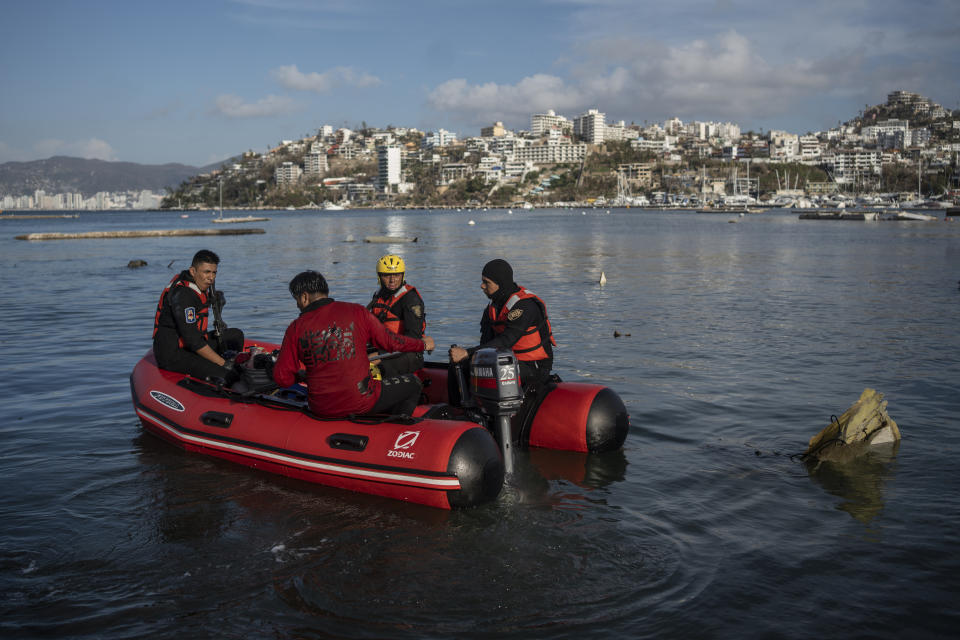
181	341
400	308
330	338
515	319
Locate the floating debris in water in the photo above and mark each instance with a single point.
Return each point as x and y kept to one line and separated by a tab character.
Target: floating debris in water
865	424
136	264
603	279
389	239
617	334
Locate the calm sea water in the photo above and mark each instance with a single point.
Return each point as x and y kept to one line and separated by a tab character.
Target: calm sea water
738	341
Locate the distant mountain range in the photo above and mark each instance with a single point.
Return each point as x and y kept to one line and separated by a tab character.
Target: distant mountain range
62	174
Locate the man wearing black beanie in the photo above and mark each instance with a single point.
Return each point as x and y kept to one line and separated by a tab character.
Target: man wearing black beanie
515	319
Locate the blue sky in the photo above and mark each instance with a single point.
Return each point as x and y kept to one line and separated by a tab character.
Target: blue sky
199	81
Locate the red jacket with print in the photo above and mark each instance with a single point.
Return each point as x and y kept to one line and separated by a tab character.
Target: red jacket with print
330	339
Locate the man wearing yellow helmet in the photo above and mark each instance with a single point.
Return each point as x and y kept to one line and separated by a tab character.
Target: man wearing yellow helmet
400	308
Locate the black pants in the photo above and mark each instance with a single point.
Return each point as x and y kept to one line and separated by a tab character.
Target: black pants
172	358
398	395
407	363
534	372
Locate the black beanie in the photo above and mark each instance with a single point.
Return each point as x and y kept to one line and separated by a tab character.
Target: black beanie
499	271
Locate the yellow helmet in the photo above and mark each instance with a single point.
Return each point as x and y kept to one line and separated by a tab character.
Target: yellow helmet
391	264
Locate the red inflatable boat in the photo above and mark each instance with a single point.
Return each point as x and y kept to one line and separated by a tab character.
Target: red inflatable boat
444	456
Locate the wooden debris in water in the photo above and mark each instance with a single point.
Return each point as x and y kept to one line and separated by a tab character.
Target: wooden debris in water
240	219
389	239
863	425
38	216
146	233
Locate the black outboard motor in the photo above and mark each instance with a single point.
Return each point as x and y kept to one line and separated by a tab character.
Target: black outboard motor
495	387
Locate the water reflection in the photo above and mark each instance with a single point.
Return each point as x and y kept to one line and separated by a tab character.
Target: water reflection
860	483
586	470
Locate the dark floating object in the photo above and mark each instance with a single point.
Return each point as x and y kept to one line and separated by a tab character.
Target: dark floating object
136	264
617	334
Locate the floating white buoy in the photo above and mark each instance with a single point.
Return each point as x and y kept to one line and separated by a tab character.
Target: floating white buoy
471	222
603	278
583	213
185	215
741	214
510	211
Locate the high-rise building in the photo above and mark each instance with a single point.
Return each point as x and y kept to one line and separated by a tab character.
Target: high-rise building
590	126
542	123
287	173
388	163
315	164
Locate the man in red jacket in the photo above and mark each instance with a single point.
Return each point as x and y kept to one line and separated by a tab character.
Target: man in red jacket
330	338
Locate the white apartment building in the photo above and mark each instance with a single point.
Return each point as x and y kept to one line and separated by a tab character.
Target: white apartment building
885	126
516	170
673	126
388	164
541	123
440	138
506	146
480	146
590	126
725	131
315	164
655	146
784	146
618	132
491	168
849	166
287	173
809	149
551	153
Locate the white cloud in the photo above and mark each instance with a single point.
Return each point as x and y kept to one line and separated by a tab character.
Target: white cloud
719	78
291	77
234	106
93	148
492	101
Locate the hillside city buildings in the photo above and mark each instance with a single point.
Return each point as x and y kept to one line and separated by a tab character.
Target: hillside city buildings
852	154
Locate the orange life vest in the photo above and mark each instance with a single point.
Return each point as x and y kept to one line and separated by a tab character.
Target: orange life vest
382	308
201	314
530	345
